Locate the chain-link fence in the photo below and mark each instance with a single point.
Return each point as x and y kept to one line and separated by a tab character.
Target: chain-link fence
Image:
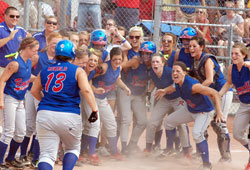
210	18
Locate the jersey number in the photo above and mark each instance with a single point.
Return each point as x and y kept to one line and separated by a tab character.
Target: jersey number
58	86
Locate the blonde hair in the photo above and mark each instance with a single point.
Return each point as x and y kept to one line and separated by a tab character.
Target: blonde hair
136	29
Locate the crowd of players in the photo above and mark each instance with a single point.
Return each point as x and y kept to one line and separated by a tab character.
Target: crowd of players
118	74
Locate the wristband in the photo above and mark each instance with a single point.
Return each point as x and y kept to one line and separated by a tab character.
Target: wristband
123	41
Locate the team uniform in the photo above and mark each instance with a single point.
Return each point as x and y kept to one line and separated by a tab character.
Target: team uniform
241	81
31	108
41	38
58	116
137	81
198	109
14	126
107	117
168	104
219	81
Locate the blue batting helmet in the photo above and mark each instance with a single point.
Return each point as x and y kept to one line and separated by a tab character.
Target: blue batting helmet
148	46
65	48
187	33
98	37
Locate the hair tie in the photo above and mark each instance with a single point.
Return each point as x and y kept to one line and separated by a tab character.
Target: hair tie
12	55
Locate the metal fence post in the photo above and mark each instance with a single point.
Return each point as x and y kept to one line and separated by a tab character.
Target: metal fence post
39	25
157	23
26	14
230	39
63	11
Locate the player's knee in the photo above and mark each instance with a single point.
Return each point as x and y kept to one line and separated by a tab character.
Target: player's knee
198	136
19	138
169	125
238	135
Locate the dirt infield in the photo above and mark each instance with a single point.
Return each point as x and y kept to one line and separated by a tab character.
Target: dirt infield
140	162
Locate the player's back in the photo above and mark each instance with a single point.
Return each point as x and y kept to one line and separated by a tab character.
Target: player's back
60	88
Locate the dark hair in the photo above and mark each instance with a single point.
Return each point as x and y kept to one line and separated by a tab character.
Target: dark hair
181	64
200	40
7	10
62	58
28	42
115	51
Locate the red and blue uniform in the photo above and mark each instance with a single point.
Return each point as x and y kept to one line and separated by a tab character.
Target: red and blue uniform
60	88
18	83
40	37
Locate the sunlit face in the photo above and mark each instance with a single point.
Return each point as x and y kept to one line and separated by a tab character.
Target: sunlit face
237	56
33	51
195	49
116	61
92	62
229	13
52	44
157	64
185	43
167	43
12	18
50	24
135	39
82	62
199	13
178	74
74	39
83	40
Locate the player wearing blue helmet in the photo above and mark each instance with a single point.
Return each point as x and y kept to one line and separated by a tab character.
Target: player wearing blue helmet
137	80
183	54
58	116
17	76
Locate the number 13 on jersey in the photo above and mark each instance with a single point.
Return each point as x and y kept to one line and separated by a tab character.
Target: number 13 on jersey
57	84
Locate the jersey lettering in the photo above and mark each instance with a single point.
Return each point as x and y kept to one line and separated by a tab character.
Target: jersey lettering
20	85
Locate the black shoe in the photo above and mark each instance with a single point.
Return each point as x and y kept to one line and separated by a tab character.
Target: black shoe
15	163
4	167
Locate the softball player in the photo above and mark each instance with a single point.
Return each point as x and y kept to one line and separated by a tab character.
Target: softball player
17	77
137	81
135	39
101	86
58	116
90	130
207	71
199	109
183	54
45	58
161	78
238	74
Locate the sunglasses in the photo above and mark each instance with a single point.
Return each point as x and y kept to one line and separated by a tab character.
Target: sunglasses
169	41
14	16
134	37
201	12
50	22
110	24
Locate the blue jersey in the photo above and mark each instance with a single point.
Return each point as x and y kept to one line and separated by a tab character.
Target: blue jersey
106	81
43	61
91	75
171	58
18	83
137	79
60	88
130	55
185	58
241	81
196	103
13	45
40	37
220	80
164	81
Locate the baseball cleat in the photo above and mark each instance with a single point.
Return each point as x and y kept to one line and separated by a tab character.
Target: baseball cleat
15	163
93	159
247	167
